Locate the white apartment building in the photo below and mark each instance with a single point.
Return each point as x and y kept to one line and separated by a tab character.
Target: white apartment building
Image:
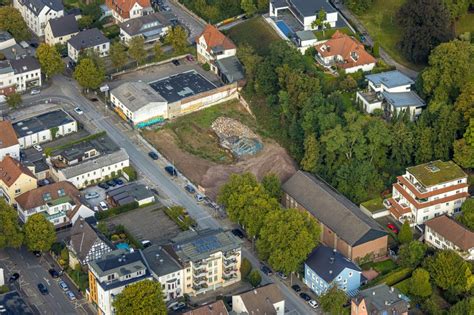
305	11
8	141
37	13
18	75
428	190
86	40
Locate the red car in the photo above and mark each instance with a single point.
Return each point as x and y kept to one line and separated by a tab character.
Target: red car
190	58
393	228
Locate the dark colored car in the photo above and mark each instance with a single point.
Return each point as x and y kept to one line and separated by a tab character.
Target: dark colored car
34	45
153	190
53	273
296	288
266	270
153	155
94	99
171	170
190	189
305	296
118	181
111	183
238	233
37	253
14	277
103	186
175	62
43	289
190	58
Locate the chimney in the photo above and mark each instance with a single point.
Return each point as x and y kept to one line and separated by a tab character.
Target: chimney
210	307
386	303
391	289
161	261
330	272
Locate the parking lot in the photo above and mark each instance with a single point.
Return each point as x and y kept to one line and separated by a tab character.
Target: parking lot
100	191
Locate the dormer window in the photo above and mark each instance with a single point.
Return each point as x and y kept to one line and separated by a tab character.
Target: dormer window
47	197
354	55
61	193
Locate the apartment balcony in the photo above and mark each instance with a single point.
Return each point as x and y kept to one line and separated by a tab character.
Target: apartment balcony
200	280
231	254
230	262
200	287
199	272
229	271
230	277
199	265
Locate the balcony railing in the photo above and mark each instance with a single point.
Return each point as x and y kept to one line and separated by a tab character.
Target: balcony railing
230	277
230	270
229	262
199	272
200	280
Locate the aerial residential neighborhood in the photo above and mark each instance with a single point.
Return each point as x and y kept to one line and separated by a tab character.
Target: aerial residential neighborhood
243	157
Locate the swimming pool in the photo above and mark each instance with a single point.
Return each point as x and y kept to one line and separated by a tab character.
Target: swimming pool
284	28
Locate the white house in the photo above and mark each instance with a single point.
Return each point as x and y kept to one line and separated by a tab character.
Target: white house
151	27
6	40
85	40
8	141
428	190
124	10
60	30
44	127
305	11
266	299
37	13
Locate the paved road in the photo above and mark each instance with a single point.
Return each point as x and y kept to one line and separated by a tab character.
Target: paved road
193	24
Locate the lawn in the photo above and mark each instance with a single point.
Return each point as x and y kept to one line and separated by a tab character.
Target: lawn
404	286
255	32
382	266
374	205
465	24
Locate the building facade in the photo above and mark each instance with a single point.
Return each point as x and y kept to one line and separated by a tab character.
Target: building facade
306	12
151	27
8	141
15	179
90	39
18	75
37	13
428	190
380	299
60	30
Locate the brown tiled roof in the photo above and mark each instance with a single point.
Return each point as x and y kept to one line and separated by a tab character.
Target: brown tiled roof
83	236
11	169
343	45
452	231
123	7
216	308
34	198
7	135
261	300
214	38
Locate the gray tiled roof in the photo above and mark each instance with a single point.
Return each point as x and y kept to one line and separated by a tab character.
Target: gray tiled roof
88	39
147	23
403	99
382	299
159	261
37	5
25	64
65	25
390	79
129	193
135	95
260	300
332	209
311	7
231	68
94	164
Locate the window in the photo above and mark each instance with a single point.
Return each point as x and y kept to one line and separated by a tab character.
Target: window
350	274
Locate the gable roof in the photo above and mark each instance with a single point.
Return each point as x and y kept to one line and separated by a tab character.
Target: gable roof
146	23
390	79
383	298
36	6
215	39
328	263
25	64
11	169
261	300
343	45
83	237
64	25
7	136
123	7
332	209
35	198
88	39
215	308
453	231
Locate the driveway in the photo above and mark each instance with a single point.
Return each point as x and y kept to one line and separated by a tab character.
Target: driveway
194	25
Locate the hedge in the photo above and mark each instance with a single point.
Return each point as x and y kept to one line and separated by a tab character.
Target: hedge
116	211
394	277
180	217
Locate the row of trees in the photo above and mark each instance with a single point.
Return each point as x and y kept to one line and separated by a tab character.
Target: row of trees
283	237
215	11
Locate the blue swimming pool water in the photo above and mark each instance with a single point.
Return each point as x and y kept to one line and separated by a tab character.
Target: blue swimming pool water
122	246
284	28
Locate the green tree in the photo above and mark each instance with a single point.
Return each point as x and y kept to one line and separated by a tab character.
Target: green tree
456	8
255	278
250	60
463	307
272	184
420	283
465	101
158	51
249	7
12	22
118	55
88	74
450	272
245	268
176	37
39	233
10	232
287	238
405	235
13	99
85	22
136	49
320	21
50	60
233	195
332	302
310	161
144	297
262	5
412	254
467	217
424	150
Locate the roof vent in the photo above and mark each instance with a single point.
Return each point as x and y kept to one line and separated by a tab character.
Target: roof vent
330	272
157	256
161	261
331	260
255	292
391	289
432	168
373	292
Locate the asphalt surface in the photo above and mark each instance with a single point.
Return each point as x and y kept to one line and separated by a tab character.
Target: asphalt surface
193	24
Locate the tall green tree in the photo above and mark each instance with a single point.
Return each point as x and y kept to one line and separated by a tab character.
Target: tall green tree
88	74
136	49
425	24
13	99
320	21
405	235
332	302
424	150
310	161
144	297
176	37
412	254
255	278
456	8
12	22
272	184
10	232
245	268
465	101
420	283
467	217
287	238
249	7
158	51
250	61
39	233
463	307
49	59
118	55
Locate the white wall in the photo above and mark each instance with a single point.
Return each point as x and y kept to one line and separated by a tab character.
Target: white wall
102	50
13	151
436	240
364	68
37	22
45	135
331	18
368	107
22	79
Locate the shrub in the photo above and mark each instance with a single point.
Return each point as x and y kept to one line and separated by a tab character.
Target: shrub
115	211
131	173
395	276
245	268
4	289
206	67
376	50
255	278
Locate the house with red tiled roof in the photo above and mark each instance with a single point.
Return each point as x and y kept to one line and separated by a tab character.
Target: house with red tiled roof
344	52
15	179
8	141
123	10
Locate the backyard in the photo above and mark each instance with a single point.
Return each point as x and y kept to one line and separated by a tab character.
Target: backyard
465	24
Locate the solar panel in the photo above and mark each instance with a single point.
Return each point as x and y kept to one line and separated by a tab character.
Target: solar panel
206	244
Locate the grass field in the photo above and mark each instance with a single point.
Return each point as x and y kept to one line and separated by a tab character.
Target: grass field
255	32
320	35
465	24
382	266
374	204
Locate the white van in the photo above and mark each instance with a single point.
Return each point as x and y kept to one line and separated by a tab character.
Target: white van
103	206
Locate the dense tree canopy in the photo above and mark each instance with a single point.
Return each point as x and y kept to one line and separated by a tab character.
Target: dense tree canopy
420	283
333	300
176	37
39	233
12	22
467	217
272	184
412	254
456	8
405	235
49	59
88	74
144	297
10	232
118	56
136	49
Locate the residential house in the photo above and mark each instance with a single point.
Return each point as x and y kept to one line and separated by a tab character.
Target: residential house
325	267
138	103
428	190
44	128
60	30
444	232
304	11
18	75
7	78
59	202
380	300
211	259
86	244
151	27
343	225
124	10
215	308
266	299
37	13
8	141
90	39
344	52
390	92
129	193
166	270
111	273
15	179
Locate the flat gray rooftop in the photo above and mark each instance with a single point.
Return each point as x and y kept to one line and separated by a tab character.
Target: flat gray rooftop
41	122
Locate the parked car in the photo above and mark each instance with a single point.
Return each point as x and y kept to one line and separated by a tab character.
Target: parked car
96	209
175	62
282	275
266	270
94	99
103	206
296	288
393	228
53	273
34	45
70	295
238	233
14	277
2	309
153	155
111	183
37	253
63	285
190	57
78	110
153	190
92	195
35	92
305	296
43	289
118	181
103	185
313	304
190	189
178	307
38	148
199	197
171	170
146	243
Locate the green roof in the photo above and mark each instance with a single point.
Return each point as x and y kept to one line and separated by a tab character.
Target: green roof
60	200
436	172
